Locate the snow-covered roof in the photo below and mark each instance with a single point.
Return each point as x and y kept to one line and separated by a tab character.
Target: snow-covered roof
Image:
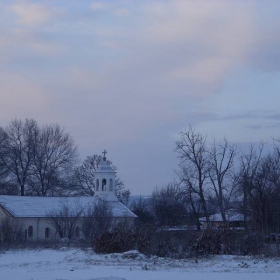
27	206
105	166
231	216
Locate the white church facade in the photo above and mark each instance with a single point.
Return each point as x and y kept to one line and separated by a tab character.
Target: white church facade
33	214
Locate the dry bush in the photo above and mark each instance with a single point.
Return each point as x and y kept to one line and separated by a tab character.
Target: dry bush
11	232
117	241
211	241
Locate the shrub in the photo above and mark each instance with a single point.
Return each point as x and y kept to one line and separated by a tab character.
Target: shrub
117	241
10	231
211	241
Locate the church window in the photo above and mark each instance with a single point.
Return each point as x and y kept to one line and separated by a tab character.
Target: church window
111	185
104	185
77	232
47	232
30	231
97	185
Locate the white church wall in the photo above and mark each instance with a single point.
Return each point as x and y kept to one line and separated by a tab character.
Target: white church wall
40	226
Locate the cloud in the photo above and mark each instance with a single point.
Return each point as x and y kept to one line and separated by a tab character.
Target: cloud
254	127
30	14
196	43
252	115
122	12
21	45
264	53
98	6
21	98
169	54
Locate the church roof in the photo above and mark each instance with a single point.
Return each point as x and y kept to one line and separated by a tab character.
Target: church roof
105	166
27	206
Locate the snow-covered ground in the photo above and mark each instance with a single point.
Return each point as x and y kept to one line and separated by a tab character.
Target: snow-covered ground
76	264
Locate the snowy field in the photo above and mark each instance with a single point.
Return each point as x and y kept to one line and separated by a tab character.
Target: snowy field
75	264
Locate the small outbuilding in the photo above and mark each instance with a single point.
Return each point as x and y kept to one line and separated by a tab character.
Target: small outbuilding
234	220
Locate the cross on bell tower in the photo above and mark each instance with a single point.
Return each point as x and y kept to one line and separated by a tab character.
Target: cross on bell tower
104	155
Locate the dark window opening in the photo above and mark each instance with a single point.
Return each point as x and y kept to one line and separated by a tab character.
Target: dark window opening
47	233
104	185
30	231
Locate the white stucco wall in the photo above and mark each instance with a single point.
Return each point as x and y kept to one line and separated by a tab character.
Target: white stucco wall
39	226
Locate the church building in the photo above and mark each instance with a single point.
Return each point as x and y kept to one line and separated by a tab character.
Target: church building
34	214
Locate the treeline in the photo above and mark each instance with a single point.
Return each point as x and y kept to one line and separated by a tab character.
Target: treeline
214	178
220	178
43	161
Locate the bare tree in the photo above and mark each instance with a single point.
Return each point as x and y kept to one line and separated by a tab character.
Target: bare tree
97	220
265	197
276	143
221	160
19	150
194	164
121	192
84	175
3	169
193	203
3	144
54	156
169	205
7	184
142	208
244	179
65	218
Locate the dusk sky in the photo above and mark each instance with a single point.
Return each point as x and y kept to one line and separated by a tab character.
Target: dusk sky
128	75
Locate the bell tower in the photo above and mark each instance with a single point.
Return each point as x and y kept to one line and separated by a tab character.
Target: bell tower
105	180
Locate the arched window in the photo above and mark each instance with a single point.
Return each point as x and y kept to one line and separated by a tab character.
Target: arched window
111	185
104	185
77	232
97	185
47	232
30	231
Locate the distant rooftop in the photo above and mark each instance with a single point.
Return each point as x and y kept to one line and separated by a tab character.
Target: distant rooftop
231	216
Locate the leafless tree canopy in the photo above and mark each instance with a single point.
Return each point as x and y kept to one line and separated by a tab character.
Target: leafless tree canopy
54	156
221	161
19	150
97	220
42	161
214	181
194	164
169	205
6	187
84	175
122	193
65	219
36	159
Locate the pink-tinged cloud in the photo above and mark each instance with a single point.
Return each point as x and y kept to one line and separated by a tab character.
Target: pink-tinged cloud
98	6
29	13
21	98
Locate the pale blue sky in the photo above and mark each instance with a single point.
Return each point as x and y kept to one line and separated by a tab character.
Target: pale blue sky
127	76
